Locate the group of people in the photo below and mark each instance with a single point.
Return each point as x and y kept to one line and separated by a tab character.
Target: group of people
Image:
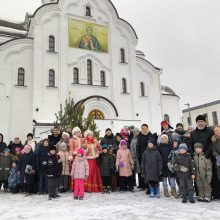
184	160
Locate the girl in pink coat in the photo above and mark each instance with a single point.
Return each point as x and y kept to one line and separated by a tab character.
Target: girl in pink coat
125	165
79	173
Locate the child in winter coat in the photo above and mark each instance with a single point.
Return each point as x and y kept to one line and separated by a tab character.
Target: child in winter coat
186	171
14	179
203	174
53	166
165	148
65	158
172	173
27	170
106	165
5	166
80	172
125	165
151	166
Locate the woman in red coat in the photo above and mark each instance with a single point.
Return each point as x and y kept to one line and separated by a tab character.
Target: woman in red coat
93	149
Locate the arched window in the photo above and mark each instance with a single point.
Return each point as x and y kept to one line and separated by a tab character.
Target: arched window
89	72
51	43
142	89
21	75
51	78
124	85
76	76
102	76
166	118
97	114
122	55
88	11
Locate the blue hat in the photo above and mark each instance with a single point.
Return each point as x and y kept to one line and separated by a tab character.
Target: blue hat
104	146
183	147
7	150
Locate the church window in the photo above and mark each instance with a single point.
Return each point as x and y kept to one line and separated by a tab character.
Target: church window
21	75
97	114
51	78
142	89
76	76
51	43
124	85
88	11
122	54
89	72
102	76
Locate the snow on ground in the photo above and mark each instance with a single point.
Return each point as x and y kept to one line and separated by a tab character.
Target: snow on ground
96	206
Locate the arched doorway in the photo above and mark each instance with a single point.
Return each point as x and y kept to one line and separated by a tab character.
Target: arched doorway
97	114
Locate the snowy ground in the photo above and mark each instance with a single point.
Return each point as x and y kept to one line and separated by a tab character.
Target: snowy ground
129	206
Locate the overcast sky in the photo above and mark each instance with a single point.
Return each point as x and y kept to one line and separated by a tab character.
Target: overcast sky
180	36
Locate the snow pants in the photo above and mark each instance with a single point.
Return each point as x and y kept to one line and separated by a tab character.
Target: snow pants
204	187
79	188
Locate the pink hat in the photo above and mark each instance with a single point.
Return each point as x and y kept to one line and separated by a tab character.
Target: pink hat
18	149
80	151
123	142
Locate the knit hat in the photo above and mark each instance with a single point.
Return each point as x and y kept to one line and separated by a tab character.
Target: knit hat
164	135
183	147
177	140
86	133
135	130
200	118
52	148
165	123
80	151
68	126
132	127
76	129
123	142
104	146
152	140
65	133
198	145
6	150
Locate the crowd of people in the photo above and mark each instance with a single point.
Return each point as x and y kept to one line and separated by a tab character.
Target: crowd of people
187	162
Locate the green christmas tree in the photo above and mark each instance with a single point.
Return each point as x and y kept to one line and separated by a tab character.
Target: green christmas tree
73	115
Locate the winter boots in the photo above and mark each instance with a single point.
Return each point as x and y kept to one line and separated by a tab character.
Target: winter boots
190	196
166	194
154	192
173	192
106	189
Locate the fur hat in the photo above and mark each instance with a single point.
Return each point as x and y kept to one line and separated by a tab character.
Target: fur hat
198	145
200	118
52	148
164	135
65	133
86	133
123	142
76	129
152	140
183	147
80	151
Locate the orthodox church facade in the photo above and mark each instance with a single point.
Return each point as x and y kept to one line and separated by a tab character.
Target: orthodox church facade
80	49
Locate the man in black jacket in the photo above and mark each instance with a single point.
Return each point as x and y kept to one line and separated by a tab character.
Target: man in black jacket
54	138
108	139
202	134
142	142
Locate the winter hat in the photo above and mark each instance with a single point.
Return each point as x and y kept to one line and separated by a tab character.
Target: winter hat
76	129
164	135
86	133
200	118
152	140
68	126
132	127
135	130
18	149
177	140
65	133
80	151
183	147
52	148
104	146
124	133
123	142
6	150
165	123
198	145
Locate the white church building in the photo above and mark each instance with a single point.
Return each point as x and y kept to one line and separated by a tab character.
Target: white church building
84	50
